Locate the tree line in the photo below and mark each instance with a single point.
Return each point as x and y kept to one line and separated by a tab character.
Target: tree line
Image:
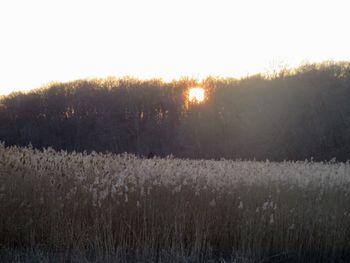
293	114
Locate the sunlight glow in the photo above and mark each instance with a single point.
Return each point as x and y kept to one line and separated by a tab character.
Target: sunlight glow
63	40
196	95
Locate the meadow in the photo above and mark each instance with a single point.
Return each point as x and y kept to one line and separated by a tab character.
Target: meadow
91	207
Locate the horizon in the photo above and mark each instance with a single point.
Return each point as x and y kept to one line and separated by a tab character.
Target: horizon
271	73
63	41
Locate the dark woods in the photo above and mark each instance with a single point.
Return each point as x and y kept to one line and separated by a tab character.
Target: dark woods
294	115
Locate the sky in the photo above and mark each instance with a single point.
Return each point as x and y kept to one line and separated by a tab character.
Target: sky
60	40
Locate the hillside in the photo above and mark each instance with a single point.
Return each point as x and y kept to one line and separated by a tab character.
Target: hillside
295	114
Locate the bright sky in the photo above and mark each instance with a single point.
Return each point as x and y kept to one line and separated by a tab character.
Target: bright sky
60	40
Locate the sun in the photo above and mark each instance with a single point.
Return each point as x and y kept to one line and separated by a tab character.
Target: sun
196	95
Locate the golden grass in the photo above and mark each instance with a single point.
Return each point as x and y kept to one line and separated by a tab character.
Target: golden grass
60	207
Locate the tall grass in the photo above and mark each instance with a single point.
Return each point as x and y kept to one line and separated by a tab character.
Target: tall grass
60	207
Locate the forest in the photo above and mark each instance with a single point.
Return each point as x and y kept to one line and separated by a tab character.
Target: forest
292	114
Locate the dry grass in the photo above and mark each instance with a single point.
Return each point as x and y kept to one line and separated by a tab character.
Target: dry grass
59	207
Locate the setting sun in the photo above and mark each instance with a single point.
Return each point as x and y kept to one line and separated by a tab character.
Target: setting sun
198	45
196	95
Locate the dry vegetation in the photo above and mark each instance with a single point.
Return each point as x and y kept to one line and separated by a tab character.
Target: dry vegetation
60	207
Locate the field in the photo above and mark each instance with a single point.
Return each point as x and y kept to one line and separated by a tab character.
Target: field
79	207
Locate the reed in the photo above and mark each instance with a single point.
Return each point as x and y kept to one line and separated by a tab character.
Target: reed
72	207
